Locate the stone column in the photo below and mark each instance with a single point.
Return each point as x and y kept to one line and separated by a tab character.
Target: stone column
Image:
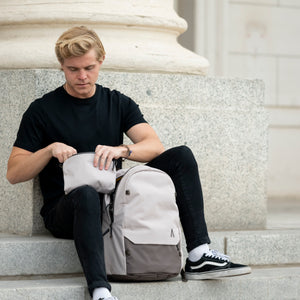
138	35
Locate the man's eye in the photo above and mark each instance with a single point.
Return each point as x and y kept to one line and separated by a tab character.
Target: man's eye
90	68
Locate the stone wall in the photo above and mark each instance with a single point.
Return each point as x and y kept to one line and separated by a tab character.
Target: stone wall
223	121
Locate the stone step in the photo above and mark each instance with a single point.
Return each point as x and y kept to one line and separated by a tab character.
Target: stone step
37	255
262	283
45	255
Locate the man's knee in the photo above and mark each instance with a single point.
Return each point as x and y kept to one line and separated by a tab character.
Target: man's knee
184	156
182	150
86	198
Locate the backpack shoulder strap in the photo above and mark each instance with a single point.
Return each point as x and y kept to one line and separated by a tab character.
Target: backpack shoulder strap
109	200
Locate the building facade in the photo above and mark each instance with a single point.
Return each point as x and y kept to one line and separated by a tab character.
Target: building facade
256	39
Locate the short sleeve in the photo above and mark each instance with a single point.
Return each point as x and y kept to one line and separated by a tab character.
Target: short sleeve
132	114
30	133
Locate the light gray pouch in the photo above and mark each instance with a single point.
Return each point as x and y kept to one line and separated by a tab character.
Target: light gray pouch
79	170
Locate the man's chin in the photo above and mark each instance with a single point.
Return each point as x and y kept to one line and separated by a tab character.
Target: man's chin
84	92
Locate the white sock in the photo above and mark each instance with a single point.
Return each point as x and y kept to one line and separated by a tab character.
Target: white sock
101	293
197	252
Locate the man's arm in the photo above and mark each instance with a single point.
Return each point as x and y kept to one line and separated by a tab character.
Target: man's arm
24	165
146	146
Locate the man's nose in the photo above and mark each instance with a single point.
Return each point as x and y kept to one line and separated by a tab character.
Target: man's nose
82	74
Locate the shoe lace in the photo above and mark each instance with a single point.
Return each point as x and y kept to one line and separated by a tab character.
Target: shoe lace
217	254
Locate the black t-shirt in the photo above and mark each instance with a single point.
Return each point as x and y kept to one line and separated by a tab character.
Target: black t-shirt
80	123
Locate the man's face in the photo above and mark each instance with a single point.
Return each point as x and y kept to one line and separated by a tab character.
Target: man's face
81	74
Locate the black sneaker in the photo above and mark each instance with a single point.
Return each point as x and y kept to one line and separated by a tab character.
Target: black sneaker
213	265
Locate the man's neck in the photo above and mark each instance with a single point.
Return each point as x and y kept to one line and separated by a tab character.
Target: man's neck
72	93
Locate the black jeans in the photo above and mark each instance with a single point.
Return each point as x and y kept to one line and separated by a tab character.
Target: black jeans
78	215
180	164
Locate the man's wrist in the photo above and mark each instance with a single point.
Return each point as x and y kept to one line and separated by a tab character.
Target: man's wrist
128	150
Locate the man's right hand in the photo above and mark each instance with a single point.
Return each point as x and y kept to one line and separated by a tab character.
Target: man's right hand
62	151
24	165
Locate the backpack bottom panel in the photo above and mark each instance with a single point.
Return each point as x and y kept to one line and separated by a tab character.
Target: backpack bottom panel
141	277
146	262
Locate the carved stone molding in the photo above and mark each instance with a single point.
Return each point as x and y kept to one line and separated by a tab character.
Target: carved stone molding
138	35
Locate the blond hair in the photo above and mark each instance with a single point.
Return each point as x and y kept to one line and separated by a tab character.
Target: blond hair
77	41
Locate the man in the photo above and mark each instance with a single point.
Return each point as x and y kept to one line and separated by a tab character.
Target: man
83	116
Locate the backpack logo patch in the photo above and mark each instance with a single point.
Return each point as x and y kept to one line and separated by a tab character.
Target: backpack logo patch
172	233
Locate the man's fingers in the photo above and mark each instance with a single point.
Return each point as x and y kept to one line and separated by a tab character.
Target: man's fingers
109	160
68	153
104	156
103	161
62	152
96	159
98	153
74	151
60	159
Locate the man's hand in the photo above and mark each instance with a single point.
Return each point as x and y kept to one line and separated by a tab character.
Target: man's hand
62	151
105	154
24	165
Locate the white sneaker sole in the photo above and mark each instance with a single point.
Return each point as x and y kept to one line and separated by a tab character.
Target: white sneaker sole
217	274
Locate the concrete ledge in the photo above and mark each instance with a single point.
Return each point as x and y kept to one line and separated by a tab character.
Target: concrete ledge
46	289
222	120
37	255
269	247
40	255
267	284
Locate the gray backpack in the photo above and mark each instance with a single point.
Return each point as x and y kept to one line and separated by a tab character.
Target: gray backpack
142	224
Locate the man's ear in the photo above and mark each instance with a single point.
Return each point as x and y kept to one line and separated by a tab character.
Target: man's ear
102	60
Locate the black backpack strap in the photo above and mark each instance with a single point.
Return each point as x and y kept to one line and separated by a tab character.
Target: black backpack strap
111	213
109	209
